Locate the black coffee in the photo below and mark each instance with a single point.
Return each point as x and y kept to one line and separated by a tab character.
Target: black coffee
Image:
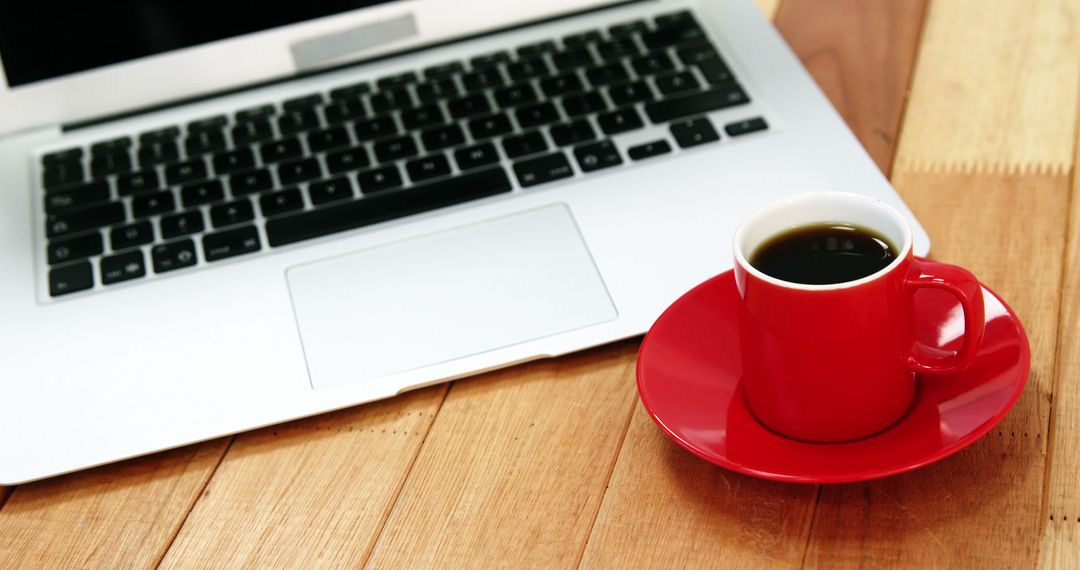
821	254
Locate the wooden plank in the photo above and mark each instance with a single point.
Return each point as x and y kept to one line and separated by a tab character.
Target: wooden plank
980	508
120	515
663	506
515	466
862	56
315	491
996	85
768	7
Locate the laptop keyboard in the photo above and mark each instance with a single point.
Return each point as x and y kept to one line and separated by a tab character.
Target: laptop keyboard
360	154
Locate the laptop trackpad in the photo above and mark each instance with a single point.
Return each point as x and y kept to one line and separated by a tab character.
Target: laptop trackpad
436	298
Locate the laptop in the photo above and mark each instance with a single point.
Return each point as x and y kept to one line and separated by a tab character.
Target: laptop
216	217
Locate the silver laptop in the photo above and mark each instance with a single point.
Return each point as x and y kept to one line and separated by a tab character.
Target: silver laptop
215	217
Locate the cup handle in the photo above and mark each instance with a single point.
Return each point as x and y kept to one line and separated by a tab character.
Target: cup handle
961	283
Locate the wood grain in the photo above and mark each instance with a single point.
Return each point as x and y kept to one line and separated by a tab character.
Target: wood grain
862	56
1009	230
996	84
120	515
515	466
308	493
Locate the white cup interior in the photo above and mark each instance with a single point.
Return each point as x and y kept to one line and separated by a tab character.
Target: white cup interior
818	208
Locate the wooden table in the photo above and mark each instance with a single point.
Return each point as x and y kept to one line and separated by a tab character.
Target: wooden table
969	105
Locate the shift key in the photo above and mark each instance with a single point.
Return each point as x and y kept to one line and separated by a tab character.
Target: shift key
696	103
222	245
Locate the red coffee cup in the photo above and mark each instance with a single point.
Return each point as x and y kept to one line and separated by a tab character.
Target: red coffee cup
838	362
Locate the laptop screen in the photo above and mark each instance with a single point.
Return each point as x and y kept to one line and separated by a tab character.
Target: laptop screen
45	39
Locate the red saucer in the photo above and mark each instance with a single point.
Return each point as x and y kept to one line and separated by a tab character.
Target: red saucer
688	376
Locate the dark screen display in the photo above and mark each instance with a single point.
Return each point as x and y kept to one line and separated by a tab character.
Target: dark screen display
45	39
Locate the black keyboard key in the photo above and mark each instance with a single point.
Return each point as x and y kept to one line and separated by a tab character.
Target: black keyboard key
653	63
353	92
215	123
123	267
396	80
187	171
620	121
232	213
582	38
675	82
535	115
572	133
597	156
132	235
330	191
231	243
234	161
745	127
104	164
386	101
344	110
421	117
628	93
61	173
169	133
77	196
259	113
202	193
649	150
562	84
67	155
716	72
427	167
607	74
468	106
484	78
476	156
490	126
140	181
382	207
537	48
379	179
583	104
628	28
71	278
616	48
682	17
172	256
694	54
282	201
546	168
571	58
442	137
157	151
444	69
299	171
144	205
204	141
395	148
348	159
90	217
696	103
378	127
489	59
280	150
326	139
672	35
181	224
248	132
78	247
297	121
524	144
515	95
694	132
436	90
303	103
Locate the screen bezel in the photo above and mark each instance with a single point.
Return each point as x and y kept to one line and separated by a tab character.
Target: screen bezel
249	59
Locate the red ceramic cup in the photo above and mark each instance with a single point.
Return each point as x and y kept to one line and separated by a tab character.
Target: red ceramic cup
837	362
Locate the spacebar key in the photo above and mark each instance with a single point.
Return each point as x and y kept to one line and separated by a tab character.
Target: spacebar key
381	207
696	103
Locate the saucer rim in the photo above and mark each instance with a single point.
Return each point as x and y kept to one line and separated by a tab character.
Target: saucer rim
967	440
